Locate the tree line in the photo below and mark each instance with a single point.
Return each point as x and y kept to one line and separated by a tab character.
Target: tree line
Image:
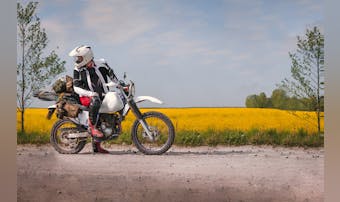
280	99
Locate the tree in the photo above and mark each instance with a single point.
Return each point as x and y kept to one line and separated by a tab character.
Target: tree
307	83
257	101
251	101
33	69
262	100
279	99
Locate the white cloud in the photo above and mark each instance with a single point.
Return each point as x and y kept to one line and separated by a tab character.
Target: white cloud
171	45
116	22
59	40
310	6
58	35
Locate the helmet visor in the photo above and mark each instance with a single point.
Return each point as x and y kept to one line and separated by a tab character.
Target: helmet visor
78	59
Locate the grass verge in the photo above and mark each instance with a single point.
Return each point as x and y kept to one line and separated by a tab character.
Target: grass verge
32	138
212	137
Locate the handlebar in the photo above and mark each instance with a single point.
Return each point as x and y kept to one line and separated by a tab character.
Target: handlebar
111	84
131	87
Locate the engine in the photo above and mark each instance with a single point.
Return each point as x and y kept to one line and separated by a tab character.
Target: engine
109	124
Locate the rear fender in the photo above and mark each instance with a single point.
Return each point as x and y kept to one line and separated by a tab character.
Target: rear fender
51	110
52	107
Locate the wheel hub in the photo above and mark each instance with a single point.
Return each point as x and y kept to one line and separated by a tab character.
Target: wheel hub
154	133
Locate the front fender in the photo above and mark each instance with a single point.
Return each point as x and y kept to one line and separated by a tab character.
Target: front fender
141	99
148	98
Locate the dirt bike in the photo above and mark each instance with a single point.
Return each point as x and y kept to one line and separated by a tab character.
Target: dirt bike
152	132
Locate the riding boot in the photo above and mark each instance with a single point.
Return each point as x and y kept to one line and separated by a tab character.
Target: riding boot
94	131
98	149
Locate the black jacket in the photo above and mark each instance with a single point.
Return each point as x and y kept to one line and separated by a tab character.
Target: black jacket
88	80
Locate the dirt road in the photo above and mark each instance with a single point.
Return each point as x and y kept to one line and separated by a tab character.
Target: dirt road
244	173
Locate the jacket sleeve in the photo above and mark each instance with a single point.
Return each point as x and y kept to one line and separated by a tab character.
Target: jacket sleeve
78	85
82	92
112	75
106	70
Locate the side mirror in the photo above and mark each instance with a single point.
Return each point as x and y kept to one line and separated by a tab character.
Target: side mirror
124	75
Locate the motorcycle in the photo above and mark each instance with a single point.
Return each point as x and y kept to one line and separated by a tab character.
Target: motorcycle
152	132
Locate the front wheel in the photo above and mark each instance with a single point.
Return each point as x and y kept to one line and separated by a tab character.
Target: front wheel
162	130
61	142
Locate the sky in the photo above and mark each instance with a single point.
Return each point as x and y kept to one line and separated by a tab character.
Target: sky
192	53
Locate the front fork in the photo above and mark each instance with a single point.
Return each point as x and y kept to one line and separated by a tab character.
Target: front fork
140	118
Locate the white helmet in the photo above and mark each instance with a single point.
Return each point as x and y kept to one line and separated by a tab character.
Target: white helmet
82	55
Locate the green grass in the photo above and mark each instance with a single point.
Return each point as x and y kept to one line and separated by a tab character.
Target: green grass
213	138
251	137
32	138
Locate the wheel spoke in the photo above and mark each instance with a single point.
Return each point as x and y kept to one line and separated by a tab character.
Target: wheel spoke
161	130
60	140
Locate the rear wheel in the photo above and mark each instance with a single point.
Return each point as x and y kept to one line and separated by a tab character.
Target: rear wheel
61	142
162	130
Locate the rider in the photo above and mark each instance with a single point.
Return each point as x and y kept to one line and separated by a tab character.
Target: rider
89	75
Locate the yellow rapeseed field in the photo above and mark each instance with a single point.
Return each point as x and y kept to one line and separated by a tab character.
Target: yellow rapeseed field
202	119
243	119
